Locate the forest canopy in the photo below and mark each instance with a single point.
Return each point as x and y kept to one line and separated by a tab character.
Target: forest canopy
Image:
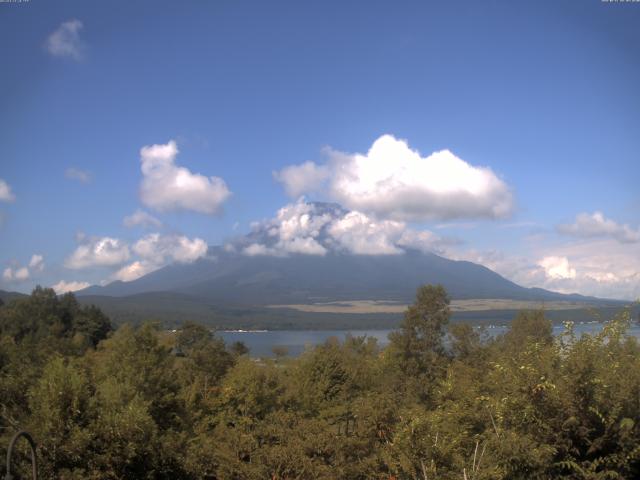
441	401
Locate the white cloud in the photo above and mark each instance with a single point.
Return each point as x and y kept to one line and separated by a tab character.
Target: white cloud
159	249
156	251
305	178
18	274
557	267
141	218
317	228
596	225
37	262
64	287
294	230
426	241
81	176
359	234
98	252
307	246
133	271
5	192
166	186
65	41
393	181
256	249
296	226
603	268
7	274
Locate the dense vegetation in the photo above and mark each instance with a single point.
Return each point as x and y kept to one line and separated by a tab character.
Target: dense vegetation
144	403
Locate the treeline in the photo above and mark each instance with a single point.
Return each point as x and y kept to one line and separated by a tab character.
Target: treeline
440	402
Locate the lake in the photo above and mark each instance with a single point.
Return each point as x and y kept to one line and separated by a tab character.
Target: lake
261	343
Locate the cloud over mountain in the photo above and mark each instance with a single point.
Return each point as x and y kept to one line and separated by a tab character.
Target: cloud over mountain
393	181
159	249
156	250
64	287
315	228
166	186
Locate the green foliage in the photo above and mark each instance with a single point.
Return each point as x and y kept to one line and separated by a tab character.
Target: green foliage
417	348
43	316
150	404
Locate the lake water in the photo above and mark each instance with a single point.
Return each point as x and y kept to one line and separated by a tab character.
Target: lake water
261	343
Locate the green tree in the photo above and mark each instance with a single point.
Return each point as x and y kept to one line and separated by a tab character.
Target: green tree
417	348
62	407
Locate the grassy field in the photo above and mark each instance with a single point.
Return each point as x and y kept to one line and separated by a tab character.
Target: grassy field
469	305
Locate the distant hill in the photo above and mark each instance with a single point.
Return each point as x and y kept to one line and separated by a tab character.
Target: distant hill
8	296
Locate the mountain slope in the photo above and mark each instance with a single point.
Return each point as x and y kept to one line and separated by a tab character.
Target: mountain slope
347	256
236	279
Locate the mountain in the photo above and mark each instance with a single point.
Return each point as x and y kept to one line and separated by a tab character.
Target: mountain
320	252
231	278
310	253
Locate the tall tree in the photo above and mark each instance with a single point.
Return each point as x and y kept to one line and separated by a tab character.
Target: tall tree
417	348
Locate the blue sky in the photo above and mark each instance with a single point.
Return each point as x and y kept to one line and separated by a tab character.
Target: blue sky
538	98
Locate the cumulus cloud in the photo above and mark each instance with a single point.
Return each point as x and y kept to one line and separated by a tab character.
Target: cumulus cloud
37	262
65	287
160	249
17	273
81	176
156	251
141	218
360	234
166	186
317	228
304	178
149	253
134	271
295	229
5	192
98	252
597	225
557	267
603	268
65	41
256	249
393	181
